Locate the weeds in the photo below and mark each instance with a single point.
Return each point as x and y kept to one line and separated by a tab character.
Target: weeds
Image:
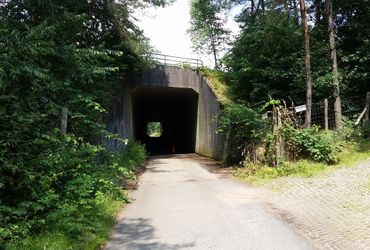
351	154
77	200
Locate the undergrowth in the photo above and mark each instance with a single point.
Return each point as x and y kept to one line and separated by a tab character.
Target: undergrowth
351	154
289	149
78	198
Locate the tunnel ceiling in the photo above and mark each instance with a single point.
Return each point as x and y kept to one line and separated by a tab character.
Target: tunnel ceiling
176	110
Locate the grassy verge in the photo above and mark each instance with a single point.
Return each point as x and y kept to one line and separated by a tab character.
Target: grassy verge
351	154
84	219
58	239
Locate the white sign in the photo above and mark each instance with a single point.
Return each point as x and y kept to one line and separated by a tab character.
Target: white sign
300	108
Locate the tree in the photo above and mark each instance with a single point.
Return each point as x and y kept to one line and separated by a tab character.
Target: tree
266	59
307	62
255	61
55	55
353	47
207	30
335	76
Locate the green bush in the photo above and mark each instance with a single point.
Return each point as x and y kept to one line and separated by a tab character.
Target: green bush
243	128
311	143
366	131
65	192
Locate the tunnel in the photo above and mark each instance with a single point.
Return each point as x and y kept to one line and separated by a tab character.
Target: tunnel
165	118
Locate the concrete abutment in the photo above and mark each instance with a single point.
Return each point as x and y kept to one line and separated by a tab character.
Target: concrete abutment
181	100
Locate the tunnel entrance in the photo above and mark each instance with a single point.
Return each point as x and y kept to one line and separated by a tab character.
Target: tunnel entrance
165	118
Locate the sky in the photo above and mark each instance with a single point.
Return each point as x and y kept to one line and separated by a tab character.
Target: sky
166	28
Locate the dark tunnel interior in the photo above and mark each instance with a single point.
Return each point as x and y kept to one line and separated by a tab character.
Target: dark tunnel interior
175	109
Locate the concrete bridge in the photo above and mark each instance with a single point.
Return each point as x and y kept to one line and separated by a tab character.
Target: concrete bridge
180	100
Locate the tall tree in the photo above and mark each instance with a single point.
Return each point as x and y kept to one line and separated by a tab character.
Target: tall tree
318	11
207	29
262	2
335	76
295	10
265	59
307	61
352	28
55	55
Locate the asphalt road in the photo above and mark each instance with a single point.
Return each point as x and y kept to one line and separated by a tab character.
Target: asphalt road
179	204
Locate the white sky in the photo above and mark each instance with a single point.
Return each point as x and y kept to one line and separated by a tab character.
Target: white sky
166	28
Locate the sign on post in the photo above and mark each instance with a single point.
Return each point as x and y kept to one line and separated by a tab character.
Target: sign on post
300	108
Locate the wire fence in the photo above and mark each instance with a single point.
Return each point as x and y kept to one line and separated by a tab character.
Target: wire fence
352	108
355	109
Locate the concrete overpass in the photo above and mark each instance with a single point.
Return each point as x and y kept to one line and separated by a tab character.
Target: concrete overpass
180	100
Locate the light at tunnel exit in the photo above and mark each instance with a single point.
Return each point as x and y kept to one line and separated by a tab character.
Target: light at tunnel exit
174	110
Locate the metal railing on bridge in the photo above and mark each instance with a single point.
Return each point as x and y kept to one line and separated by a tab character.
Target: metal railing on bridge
175	60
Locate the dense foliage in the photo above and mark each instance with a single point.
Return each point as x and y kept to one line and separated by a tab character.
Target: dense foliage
311	144
250	138
243	130
70	193
267	56
266	59
266	62
58	55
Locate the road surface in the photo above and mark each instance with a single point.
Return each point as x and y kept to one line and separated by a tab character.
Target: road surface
179	204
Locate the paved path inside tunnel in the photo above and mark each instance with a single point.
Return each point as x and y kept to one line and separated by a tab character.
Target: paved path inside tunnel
179	204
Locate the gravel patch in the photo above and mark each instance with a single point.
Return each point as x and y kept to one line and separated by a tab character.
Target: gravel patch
332	210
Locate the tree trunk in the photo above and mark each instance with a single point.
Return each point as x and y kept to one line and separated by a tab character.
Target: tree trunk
317	4
64	121
333	54
263	6
214	52
215	58
307	61
252	7
296	11
252	11
286	5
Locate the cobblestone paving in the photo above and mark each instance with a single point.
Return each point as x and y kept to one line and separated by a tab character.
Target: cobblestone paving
332	210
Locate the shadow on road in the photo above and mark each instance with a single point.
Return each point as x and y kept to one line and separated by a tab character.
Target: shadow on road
139	233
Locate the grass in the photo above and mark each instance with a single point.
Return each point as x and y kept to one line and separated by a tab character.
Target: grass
56	239
85	223
218	86
351	154
354	153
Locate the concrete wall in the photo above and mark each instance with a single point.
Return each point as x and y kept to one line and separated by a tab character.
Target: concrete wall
120	120
208	142
169	76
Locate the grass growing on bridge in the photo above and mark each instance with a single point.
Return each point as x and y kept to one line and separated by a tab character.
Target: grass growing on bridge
218	85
